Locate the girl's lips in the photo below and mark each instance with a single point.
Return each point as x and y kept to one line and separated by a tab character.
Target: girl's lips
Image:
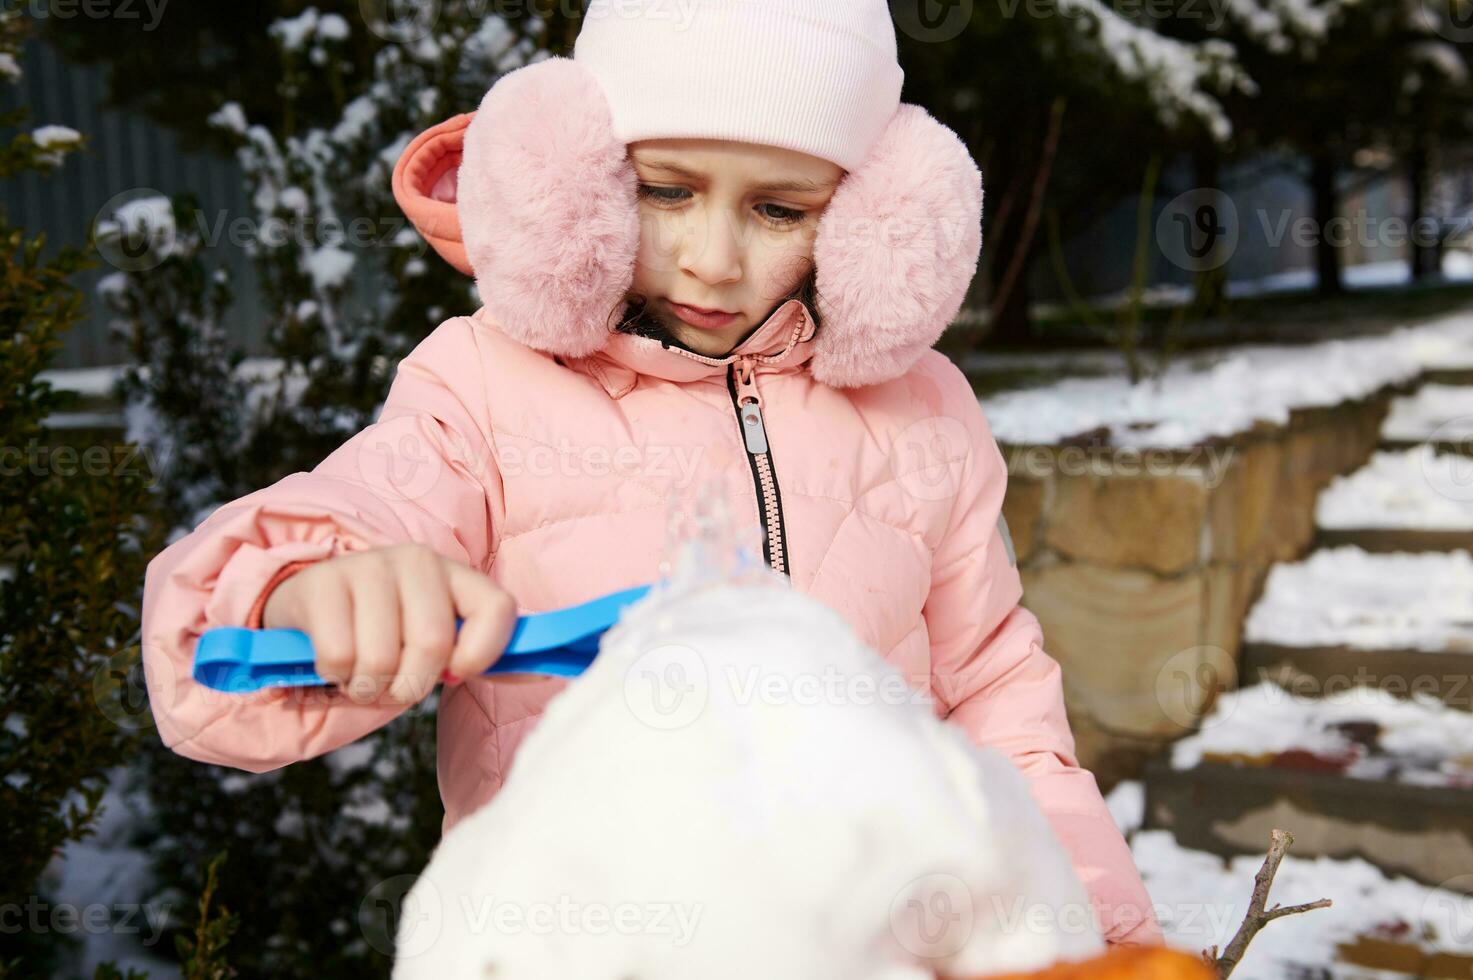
699	318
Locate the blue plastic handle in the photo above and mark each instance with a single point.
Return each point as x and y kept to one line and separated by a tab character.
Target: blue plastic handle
557	643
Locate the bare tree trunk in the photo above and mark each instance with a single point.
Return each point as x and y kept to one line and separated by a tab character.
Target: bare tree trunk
1419	177
1210	285
1326	208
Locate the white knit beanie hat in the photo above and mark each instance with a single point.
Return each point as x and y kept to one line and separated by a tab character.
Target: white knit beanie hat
817	76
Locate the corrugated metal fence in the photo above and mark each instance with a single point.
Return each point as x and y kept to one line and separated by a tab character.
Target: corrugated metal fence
125	152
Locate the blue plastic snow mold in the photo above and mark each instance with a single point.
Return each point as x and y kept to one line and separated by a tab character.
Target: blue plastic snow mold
557	643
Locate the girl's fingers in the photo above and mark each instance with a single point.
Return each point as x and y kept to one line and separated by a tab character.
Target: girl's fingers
427	624
490	615
330	627
376	633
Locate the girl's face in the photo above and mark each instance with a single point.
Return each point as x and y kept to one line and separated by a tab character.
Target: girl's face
724	226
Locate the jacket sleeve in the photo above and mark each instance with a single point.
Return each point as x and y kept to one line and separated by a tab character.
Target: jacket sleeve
424	472
991	676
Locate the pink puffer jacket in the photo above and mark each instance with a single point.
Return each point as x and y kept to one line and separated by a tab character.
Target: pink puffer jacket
551	472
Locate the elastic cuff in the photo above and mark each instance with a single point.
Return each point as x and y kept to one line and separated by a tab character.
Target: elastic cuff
258	608
239	593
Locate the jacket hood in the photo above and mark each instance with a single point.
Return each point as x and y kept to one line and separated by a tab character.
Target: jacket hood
534	196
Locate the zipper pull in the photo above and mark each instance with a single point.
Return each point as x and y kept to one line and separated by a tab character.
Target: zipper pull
753	429
750	406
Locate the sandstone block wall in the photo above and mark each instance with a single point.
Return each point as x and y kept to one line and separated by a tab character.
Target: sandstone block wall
1142	564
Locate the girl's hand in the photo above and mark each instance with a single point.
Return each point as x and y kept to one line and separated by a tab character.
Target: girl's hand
383	621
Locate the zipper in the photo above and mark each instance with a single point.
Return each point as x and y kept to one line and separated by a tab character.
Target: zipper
741	382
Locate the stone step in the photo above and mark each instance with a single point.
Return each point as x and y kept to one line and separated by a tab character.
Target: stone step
1346	617
1229	810
1440	415
1362	775
1416	499
1386	540
1461	445
1450	375
1328	671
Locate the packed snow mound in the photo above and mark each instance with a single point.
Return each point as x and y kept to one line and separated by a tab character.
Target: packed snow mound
739	787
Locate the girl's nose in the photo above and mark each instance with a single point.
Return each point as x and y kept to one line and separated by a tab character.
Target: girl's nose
713	248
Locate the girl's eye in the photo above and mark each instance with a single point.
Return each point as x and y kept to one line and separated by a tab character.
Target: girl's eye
665	195
775	213
781	215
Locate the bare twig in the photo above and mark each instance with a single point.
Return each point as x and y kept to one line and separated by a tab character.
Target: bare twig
996	225
1035	206
1257	916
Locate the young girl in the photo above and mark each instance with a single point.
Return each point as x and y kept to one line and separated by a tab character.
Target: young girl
713	244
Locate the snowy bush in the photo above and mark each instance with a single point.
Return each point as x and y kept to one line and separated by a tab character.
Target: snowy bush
75	534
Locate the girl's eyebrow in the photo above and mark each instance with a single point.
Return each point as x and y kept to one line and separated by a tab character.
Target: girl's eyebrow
794	184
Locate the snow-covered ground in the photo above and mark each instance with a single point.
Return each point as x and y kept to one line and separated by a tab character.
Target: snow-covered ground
1417	740
1220	393
1201	900
1434	411
1348	597
1415	489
